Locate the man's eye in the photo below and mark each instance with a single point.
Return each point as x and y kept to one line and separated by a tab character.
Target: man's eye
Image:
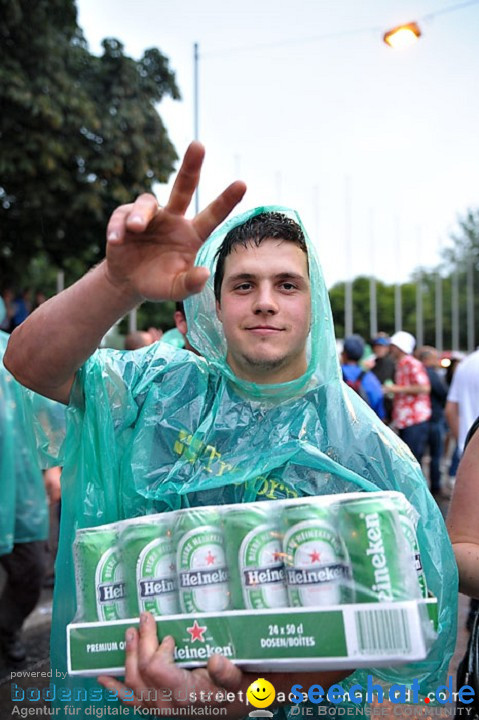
288	286
243	286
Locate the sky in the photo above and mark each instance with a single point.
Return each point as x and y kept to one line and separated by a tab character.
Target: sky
377	149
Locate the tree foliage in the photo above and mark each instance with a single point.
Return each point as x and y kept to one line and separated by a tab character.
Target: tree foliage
80	134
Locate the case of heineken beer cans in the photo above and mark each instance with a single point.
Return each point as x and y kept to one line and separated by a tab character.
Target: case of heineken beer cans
311	583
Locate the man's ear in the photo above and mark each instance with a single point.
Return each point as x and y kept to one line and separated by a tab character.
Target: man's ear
218	311
180	322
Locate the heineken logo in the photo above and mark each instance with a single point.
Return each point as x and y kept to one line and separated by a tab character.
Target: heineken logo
316	575
196	631
111	591
263	576
375	551
157	586
202	577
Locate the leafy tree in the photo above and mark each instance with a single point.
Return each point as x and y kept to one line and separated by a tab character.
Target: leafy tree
80	134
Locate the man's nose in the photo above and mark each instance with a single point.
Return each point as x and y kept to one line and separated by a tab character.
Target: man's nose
265	301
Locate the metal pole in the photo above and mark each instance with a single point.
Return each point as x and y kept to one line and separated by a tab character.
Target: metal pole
348	290
397	289
419	312
60	281
132	324
455	309
196	111
470	306
419	304
373	305
438	312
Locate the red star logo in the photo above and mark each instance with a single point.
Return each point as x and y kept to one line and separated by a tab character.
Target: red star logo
210	559
315	556
277	555
196	632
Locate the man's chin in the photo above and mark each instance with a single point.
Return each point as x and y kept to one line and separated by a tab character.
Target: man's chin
261	362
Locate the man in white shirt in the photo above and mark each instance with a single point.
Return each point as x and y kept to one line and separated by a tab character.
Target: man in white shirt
462	406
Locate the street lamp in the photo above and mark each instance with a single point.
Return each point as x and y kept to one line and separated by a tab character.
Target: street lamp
402	36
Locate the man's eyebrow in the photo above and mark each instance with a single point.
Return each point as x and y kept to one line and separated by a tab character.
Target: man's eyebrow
251	276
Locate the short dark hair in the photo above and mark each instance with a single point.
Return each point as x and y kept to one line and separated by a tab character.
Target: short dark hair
265	226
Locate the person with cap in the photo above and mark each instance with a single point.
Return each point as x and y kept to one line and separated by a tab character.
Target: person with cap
261	413
362	381
384	368
411	390
429	357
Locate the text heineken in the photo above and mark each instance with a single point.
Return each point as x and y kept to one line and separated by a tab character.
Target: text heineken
263	576
152	588
375	551
195	578
323	574
112	591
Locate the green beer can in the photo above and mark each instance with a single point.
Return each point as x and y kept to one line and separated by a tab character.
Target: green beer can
255	559
380	566
99	579
200	561
317	568
146	546
407	521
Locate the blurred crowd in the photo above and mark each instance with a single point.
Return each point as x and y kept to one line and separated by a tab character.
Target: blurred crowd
412	390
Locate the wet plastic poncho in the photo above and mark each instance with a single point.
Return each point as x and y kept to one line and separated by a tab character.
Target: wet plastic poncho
161	428
23	501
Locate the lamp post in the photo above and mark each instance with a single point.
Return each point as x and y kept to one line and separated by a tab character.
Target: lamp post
196	130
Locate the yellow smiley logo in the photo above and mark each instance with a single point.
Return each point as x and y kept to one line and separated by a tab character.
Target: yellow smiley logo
261	693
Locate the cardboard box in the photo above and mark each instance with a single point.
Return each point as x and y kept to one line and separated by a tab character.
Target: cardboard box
286	639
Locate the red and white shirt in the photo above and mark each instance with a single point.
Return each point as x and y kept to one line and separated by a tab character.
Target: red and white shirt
411	409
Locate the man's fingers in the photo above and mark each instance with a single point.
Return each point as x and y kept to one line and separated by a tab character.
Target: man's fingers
133	217
187	179
190	282
125	693
132	675
224	673
208	219
148	641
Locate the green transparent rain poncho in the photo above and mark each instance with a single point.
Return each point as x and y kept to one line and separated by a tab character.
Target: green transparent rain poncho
161	429
23	502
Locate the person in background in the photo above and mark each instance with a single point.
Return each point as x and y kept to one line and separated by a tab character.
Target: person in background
23	514
411	390
437	424
359	379
462	406
454	462
22	307
384	368
138	339
7	310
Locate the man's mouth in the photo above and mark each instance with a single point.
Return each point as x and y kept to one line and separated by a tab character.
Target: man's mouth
264	329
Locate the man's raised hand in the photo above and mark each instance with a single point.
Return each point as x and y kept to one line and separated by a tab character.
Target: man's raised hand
151	249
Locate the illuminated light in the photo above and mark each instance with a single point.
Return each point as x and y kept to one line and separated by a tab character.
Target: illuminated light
402	36
445	362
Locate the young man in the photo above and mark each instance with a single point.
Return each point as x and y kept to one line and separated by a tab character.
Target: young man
261	413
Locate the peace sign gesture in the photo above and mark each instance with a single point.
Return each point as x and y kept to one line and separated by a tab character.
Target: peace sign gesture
151	249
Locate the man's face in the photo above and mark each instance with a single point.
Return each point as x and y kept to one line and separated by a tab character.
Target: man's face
266	311
395	352
381	350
